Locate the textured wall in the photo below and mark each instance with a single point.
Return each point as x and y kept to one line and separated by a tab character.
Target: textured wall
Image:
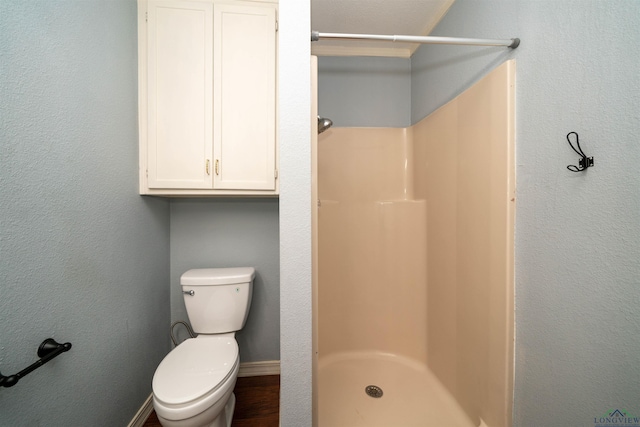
295	212
380	87
232	233
83	258
577	250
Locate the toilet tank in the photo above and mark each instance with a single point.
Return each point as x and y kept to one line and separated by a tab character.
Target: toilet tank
217	299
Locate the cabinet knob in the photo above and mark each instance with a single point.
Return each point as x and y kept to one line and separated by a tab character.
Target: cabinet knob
217	167
207	167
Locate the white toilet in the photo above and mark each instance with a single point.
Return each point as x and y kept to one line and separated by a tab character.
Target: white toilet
193	385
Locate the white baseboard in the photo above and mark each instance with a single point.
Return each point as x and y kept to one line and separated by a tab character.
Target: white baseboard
256	369
247	369
143	413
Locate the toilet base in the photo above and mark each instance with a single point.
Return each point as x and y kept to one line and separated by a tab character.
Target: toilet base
225	417
228	412
222	420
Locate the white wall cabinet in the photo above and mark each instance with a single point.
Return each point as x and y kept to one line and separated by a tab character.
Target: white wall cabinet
207	97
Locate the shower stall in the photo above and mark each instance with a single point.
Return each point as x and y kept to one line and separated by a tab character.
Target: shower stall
413	266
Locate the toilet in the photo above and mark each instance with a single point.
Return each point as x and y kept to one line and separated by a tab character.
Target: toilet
193	385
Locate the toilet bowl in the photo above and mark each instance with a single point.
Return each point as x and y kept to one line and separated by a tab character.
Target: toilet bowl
193	385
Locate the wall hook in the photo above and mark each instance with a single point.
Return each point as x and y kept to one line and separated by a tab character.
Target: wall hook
584	162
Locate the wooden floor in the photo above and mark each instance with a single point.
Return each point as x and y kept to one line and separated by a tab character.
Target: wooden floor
257	403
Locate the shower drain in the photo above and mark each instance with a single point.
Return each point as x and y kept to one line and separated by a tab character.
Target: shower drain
373	391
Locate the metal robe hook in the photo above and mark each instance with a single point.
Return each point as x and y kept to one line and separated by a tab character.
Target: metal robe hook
584	162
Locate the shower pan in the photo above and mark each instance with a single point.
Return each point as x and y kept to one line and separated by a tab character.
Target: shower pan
413	267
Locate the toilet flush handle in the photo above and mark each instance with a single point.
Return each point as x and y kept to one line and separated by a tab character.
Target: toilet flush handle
192	293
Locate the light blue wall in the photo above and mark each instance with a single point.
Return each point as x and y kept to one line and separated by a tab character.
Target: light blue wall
378	90
83	258
577	234
231	233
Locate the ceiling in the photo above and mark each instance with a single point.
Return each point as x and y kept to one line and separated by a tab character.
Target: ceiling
388	17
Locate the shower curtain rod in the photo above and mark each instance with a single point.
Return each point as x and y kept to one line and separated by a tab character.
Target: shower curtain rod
512	43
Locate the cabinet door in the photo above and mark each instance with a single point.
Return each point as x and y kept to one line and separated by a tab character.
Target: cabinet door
244	97
180	110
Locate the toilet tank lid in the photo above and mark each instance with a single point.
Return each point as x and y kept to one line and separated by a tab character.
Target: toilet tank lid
217	276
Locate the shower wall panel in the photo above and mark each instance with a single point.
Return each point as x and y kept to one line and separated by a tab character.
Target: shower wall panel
372	245
415	246
463	156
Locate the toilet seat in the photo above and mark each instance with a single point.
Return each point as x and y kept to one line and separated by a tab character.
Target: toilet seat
195	370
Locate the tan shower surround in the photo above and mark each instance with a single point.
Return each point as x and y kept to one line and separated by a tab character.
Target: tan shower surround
415	245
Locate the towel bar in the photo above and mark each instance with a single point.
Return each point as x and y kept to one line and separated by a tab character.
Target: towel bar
47	351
